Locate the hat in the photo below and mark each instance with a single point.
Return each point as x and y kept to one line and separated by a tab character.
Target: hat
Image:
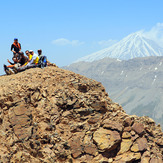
15	38
31	51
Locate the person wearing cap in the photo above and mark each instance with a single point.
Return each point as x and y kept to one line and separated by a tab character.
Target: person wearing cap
16	49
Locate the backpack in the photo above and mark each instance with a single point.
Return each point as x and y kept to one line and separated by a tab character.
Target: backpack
42	62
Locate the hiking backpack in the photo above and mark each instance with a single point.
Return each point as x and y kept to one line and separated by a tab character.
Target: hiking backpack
42	62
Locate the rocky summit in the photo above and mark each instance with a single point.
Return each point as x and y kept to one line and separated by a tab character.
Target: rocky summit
54	115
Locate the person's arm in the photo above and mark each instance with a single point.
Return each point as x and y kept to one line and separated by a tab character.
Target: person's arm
10	62
12	46
20	48
19	60
25	64
31	60
28	60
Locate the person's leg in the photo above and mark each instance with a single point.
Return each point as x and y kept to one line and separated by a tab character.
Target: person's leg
19	69
31	66
11	66
28	66
17	65
11	71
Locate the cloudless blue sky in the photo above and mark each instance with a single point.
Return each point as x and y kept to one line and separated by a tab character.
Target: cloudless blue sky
68	29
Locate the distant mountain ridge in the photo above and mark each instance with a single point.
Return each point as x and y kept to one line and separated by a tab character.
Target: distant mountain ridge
136	83
132	46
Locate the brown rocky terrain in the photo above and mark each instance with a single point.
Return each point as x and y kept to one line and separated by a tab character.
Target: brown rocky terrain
54	115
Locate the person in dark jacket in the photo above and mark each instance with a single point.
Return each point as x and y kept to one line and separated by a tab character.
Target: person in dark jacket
16	49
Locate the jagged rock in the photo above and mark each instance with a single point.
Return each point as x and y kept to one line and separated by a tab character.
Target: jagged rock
127	129
89	147
112	125
76	145
156	160
125	146
138	128
54	115
160	141
100	159
127	122
106	140
94	119
126	135
127	157
145	157
139	145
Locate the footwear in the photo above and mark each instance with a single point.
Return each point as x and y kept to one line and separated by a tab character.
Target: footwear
11	72
7	72
15	70
6	69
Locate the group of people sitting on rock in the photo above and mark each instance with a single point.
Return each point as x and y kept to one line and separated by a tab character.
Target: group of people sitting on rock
22	62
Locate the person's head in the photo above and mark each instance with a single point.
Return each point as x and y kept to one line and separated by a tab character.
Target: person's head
31	52
21	54
14	59
27	52
39	52
15	40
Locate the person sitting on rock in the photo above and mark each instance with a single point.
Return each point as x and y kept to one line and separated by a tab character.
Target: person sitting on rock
19	62
31	63
41	56
23	59
29	55
42	59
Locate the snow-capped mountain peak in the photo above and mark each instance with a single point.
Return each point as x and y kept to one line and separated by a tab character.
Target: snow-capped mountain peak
132	46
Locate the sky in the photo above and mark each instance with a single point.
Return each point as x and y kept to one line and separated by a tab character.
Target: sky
67	30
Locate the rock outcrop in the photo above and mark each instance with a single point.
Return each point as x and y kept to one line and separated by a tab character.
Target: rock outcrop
54	115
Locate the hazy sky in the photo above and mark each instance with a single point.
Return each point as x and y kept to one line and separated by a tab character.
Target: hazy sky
68	29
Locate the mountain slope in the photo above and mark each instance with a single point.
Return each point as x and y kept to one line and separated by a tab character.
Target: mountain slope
54	115
132	46
136	84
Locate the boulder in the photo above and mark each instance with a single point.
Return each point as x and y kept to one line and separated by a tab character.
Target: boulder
125	146
138	128
108	124
106	140
139	145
